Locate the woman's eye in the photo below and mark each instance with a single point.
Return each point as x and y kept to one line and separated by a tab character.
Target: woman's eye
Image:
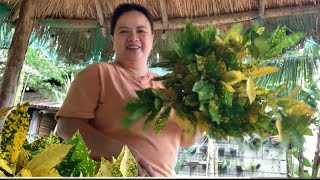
142	31
123	31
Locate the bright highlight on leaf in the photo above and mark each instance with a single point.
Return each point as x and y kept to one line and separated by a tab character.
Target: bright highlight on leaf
251	92
263	71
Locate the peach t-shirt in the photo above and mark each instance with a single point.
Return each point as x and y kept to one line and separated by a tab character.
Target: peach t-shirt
100	93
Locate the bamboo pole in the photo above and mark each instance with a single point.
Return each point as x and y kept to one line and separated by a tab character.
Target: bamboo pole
16	54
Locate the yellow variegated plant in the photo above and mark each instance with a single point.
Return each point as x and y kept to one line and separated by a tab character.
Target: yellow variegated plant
212	85
48	157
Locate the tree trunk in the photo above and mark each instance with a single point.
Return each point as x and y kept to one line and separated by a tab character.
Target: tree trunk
301	163
316	160
16	54
289	162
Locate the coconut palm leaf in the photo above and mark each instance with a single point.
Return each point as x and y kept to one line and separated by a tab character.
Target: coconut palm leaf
300	67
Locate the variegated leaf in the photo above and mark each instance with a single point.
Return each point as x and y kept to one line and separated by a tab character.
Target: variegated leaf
4	112
4	166
24	173
128	165
14	134
48	158
2	174
47	173
104	170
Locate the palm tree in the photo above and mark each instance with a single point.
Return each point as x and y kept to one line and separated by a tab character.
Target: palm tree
299	67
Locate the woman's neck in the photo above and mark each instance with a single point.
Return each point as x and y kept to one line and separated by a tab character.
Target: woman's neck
135	69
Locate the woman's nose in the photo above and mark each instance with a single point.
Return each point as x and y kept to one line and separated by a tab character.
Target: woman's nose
132	36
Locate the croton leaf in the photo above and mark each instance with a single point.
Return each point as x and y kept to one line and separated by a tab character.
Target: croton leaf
251	92
162	121
86	167
48	158
104	169
262	71
128	165
14	134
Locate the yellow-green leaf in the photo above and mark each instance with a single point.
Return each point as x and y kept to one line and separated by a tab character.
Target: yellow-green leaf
48	158
228	87
4	112
4	166
262	71
115	166
295	91
232	77
279	127
128	166
104	170
47	173
2	174
251	92
25	173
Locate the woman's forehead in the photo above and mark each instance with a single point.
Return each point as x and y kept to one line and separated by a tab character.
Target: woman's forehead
133	19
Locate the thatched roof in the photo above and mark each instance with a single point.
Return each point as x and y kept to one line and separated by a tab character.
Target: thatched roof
68	23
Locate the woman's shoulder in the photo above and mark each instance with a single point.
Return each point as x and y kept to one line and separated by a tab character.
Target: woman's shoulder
99	67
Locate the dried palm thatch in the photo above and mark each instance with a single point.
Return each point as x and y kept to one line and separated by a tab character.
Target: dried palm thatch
80	40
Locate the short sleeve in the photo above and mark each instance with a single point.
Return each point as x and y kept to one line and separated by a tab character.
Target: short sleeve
83	95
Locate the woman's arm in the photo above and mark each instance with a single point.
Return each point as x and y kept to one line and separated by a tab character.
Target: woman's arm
98	143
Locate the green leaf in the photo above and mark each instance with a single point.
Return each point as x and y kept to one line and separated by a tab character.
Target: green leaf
146	95
79	151
136	110
158	103
204	89
262	45
306	162
86	167
198	86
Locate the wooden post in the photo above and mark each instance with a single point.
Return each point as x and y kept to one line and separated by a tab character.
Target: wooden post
16	54
101	17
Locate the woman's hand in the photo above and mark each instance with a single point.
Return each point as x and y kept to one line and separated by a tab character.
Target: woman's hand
144	168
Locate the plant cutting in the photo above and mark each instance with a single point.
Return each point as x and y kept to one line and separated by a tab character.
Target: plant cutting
212	85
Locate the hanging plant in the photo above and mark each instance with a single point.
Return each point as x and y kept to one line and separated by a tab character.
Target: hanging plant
212	85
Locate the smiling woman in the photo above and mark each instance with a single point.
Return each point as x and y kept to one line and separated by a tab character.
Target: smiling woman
95	104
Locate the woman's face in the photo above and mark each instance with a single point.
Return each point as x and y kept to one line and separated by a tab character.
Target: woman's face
133	38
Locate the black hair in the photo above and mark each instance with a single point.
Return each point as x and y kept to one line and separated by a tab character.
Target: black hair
126	7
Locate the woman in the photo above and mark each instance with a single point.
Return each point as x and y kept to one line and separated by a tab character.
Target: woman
97	97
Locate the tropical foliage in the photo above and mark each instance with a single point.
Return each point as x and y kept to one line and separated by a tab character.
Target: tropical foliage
213	86
41	74
51	157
